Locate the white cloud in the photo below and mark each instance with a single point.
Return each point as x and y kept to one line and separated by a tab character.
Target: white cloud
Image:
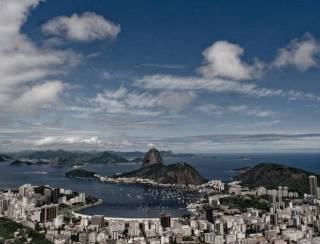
213	109
170	82
302	54
22	64
223	59
123	101
86	27
176	100
38	96
299	95
66	140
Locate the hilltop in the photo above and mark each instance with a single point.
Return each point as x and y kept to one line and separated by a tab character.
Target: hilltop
63	157
179	173
152	157
154	169
272	175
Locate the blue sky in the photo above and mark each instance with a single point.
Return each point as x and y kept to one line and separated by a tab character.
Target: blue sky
200	76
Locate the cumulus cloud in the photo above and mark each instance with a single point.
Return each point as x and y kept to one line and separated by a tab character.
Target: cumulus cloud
213	109
85	27
170	82
66	140
22	64
223	59
302	54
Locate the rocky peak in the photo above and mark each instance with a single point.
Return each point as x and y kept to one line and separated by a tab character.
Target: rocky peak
152	157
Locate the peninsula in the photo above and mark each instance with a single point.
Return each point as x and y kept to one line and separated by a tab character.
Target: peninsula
272	175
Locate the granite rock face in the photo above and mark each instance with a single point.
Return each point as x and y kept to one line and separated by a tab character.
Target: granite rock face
152	157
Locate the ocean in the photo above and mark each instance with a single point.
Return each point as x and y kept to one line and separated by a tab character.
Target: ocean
143	201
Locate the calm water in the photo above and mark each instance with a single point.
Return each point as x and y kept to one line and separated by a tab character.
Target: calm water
141	201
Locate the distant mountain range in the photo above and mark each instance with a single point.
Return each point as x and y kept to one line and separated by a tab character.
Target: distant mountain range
62	157
153	168
4	158
272	175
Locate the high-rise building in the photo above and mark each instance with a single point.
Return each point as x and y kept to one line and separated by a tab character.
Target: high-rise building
26	190
165	220
55	194
274	219
48	213
209	215
97	220
313	184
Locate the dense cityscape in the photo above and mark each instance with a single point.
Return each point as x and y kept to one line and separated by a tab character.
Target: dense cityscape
159	122
281	217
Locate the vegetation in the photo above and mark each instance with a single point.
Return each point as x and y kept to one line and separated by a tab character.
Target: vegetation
107	157
273	175
62	157
80	173
20	162
8	228
179	173
244	202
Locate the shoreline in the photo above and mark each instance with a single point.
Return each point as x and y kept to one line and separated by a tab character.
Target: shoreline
79	208
151	183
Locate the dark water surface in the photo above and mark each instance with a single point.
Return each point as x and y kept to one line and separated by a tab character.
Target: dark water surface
142	201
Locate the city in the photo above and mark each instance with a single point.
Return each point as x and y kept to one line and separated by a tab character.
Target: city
159	122
290	218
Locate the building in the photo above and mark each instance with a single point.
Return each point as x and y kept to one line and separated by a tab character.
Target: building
209	215
165	220
26	190
55	194
48	213
313	184
97	220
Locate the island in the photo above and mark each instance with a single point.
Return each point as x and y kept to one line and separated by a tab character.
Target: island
18	162
80	174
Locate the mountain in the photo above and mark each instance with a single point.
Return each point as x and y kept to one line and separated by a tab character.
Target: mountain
136	160
179	173
107	157
154	169
62	157
69	157
272	175
152	157
4	158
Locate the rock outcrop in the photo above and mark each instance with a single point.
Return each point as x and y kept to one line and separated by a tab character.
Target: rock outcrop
152	157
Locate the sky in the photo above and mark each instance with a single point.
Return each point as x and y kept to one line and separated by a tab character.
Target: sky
189	76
